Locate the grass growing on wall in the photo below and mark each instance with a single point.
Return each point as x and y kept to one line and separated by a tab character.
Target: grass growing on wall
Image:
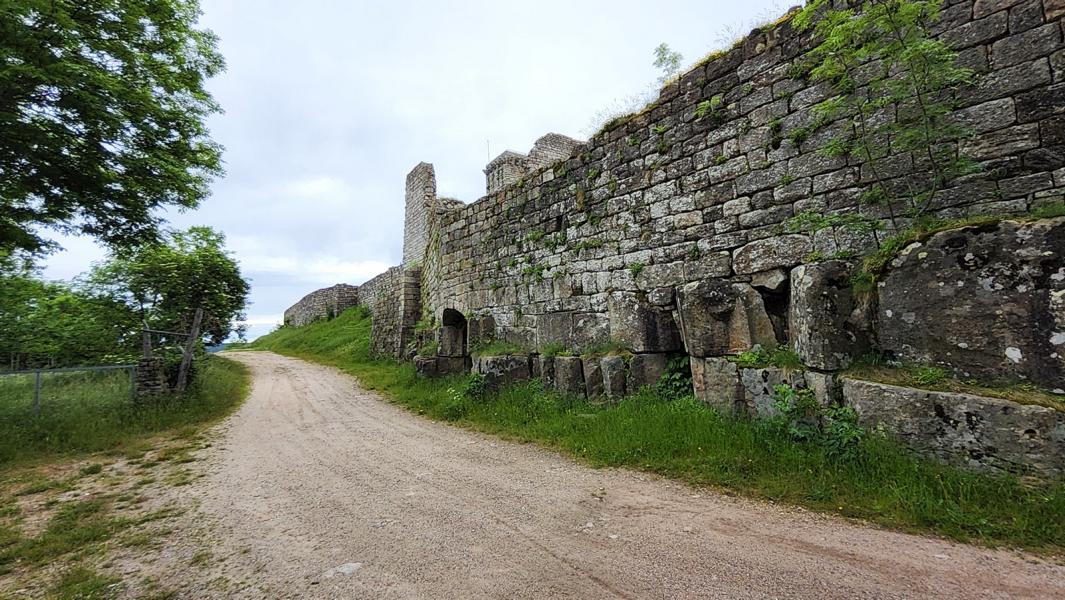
90	412
686	440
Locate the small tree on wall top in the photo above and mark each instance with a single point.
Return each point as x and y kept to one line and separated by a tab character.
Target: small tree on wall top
894	83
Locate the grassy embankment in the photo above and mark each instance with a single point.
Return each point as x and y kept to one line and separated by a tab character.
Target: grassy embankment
79	483
683	439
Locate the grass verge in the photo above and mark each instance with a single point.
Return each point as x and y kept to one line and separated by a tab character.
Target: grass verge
65	515
92	413
684	439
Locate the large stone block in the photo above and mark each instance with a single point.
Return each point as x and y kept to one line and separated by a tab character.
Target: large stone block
593	377
716	382
758	387
770	253
481	329
962	429
569	375
986	302
447	365
645	370
574	330
641	327
828	327
501	371
425	366
547	371
452	341
718	318
613	368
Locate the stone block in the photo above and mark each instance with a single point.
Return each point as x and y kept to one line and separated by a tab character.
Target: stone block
758	388
569	375
426	367
827	325
593	377
770	253
1055	9
1041	103
501	371
1003	142
716	382
481	329
452	341
645	370
448	365
577	330
987	302
1029	45
547	371
774	280
613	369
640	326
718	318
965	430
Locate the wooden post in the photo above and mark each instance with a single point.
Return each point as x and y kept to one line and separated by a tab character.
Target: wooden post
190	348
37	395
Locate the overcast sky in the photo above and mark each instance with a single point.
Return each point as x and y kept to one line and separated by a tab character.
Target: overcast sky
328	105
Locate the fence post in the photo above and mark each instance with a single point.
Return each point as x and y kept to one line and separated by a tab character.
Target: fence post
37	394
190	347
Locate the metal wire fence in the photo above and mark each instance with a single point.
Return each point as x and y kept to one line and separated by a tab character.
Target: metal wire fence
84	390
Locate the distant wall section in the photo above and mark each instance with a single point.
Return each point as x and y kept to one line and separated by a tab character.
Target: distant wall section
325	303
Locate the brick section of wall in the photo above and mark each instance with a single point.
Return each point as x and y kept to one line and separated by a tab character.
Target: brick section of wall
419	198
669	197
325	303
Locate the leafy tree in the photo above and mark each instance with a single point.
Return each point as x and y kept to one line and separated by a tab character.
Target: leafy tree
667	61
102	110
894	86
56	324
164	283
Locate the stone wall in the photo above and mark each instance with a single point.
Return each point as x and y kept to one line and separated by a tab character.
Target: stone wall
325	303
665	235
380	295
668	197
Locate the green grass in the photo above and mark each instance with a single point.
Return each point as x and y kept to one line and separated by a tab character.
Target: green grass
93	412
688	441
80	583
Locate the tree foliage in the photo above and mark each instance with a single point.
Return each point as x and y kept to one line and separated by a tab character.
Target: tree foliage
164	283
894	85
102	110
98	319
56	324
668	61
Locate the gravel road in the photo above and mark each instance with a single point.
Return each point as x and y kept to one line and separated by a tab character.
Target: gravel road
318	488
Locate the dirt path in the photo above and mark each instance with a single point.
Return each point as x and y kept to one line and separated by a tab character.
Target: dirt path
319	489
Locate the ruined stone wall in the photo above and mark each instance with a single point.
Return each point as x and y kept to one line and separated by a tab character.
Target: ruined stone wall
325	303
419	198
380	295
668	197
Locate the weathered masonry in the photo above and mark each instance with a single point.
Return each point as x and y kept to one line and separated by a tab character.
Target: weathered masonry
665	235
